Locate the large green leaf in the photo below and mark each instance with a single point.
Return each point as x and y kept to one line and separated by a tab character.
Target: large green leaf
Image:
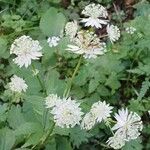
52	22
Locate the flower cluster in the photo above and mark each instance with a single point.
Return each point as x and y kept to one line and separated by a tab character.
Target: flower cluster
99	111
87	42
66	112
17	84
26	49
128	127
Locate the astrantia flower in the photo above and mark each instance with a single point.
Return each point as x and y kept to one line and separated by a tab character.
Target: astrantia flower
17	84
67	113
53	41
88	121
51	100
71	29
88	44
113	33
95	15
128	124
101	110
26	49
116	142
130	30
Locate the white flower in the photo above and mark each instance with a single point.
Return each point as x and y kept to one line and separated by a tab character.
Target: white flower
53	41
71	29
26	49
113	33
67	113
130	30
51	100
116	142
17	84
95	13
128	124
149	112
101	110
88	44
88	121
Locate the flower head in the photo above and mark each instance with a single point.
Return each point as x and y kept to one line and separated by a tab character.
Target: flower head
17	84
53	41
128	124
51	100
116	141
94	14
130	30
101	110
88	44
26	49
88	121
71	29
113	33
67	113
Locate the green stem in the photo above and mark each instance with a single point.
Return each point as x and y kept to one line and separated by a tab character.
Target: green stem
40	81
69	85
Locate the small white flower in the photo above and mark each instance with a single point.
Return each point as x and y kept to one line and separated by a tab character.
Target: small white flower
88	44
17	84
53	41
71	29
26	49
67	113
130	30
51	100
128	124
149	112
113	33
116	142
101	110
88	121
95	13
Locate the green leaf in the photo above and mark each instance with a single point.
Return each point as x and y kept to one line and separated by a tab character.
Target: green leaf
52	22
7	139
54	84
78	136
3	48
93	85
133	145
15	117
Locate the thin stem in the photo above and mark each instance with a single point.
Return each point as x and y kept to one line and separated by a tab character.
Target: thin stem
40	82
69	85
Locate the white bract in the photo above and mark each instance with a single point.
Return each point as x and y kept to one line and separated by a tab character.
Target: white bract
88	121
95	15
88	44
51	100
67	113
113	33
130	30
101	111
71	29
17	84
53	41
26	49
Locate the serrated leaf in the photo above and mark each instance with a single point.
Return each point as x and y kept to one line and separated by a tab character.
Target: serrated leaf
93	85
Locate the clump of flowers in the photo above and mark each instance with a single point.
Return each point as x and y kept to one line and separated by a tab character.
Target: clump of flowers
99	111
130	30
96	15
127	128
26	49
17	84
53	41
113	33
66	112
71	29
88	44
